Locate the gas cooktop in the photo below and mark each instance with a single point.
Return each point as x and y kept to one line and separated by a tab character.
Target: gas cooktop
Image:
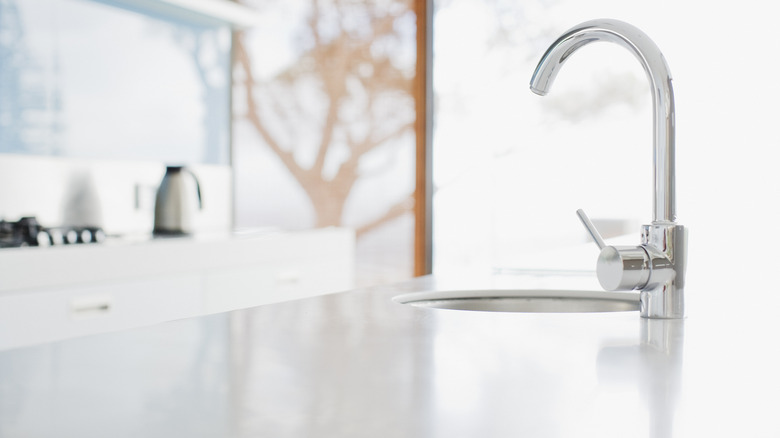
28	232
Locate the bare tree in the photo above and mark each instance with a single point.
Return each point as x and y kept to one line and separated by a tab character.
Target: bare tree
351	86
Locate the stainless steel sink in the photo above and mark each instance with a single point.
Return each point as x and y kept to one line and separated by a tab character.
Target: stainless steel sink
529	301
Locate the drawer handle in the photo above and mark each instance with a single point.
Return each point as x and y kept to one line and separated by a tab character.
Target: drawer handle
90	306
288	277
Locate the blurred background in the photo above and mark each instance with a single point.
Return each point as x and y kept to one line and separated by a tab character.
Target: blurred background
315	116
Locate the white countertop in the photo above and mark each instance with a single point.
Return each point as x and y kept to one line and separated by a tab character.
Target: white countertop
357	364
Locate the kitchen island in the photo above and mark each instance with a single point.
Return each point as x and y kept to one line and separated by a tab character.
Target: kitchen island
358	364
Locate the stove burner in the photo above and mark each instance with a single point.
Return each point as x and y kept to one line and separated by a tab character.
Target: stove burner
28	232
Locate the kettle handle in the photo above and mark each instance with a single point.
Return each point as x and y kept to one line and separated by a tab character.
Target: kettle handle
197	186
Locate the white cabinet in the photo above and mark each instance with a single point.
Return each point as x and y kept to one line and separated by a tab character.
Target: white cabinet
286	267
31	317
56	293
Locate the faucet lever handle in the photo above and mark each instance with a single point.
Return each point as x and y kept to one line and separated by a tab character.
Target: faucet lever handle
594	233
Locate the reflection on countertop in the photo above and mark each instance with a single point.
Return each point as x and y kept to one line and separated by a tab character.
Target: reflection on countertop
357	364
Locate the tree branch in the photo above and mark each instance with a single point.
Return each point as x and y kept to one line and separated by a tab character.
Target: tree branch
394	212
253	114
367	144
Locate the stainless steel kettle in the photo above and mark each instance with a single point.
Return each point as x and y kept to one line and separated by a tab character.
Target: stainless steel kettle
178	200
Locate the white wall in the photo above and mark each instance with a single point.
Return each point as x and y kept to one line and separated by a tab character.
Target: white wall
115	195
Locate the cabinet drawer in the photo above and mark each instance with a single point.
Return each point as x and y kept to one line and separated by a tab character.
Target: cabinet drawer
52	314
272	283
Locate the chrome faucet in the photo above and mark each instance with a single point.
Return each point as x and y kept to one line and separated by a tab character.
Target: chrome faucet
656	267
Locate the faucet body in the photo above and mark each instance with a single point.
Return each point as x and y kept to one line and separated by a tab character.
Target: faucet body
657	266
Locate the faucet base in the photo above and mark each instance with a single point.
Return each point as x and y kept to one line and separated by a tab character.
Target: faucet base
663	297
661	304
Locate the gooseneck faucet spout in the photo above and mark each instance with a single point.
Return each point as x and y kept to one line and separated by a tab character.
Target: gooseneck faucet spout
654	64
657	267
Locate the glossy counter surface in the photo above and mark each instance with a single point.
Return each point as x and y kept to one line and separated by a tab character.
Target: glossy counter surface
357	364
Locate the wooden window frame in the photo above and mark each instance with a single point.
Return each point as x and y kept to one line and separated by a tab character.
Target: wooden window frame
423	91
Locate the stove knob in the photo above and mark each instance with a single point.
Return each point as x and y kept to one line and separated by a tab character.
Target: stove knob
43	238
85	236
56	237
71	237
98	236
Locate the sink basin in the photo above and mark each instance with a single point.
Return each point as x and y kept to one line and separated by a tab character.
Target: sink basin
528	301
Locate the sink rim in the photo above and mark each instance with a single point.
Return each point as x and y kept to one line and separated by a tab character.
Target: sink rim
439	300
